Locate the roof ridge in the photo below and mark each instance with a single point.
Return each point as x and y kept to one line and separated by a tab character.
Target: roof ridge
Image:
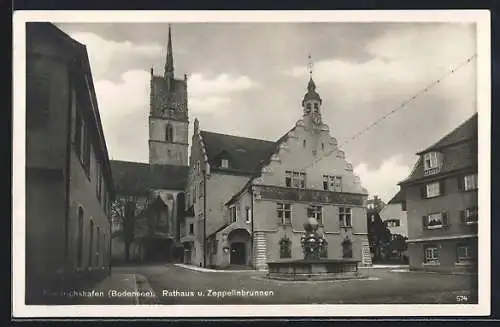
237	136
461	125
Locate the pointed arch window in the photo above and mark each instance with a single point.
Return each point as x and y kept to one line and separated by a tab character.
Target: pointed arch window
316	107
308	107
346	248
98	247
169	133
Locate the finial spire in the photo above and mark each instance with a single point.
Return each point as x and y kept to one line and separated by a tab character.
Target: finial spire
169	65
310	65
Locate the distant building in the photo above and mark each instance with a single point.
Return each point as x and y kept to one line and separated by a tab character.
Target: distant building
441	202
394	215
69	185
150	196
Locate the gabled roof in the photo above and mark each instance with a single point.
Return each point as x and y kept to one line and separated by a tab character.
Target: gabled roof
134	178
465	131
244	154
398	198
459	148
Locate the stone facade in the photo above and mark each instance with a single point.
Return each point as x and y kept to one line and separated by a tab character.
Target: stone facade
68	179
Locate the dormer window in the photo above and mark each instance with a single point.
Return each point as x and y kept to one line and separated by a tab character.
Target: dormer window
431	162
224	163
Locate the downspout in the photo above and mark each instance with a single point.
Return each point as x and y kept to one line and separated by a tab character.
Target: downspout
251	226
67	180
205	218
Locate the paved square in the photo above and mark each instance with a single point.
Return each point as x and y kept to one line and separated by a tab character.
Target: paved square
177	285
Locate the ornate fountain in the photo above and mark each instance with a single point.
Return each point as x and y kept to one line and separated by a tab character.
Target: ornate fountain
315	265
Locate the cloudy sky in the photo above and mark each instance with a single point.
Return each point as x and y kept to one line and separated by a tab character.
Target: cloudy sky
248	79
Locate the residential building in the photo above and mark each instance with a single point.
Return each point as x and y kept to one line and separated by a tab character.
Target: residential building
394	215
441	196
150	196
69	185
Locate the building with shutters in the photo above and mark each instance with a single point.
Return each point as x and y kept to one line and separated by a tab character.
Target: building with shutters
441	197
69	185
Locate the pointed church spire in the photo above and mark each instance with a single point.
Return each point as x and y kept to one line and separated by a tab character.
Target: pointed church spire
169	64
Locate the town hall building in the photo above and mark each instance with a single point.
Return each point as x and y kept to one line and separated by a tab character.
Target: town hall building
244	201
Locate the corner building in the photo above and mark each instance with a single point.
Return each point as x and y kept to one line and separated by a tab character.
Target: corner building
441	196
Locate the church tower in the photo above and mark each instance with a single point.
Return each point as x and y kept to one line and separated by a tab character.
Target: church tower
168	116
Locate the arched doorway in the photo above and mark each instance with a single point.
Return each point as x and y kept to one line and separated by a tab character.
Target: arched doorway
188	249
239	247
346	248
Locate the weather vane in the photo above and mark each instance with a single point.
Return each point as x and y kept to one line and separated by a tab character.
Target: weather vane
310	65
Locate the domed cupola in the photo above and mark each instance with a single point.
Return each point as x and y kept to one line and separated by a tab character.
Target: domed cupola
311	94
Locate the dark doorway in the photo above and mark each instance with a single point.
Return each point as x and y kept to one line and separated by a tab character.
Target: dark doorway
346	249
238	253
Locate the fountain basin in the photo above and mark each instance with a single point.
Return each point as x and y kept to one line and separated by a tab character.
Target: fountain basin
323	269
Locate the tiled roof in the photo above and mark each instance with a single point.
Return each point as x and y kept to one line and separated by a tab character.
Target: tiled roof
244	154
398	198
465	131
132	178
459	149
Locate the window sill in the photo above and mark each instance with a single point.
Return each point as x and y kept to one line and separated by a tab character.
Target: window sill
345	226
435	227
431	264
464	263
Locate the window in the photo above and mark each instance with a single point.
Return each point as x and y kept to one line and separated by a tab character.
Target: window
470	216
86	149
224	163
295	179
284	213
98	246
332	183
169	133
308	108
79	255
435	220
316	212
232	214
37	98
91	241
78	135
316	107
215	245
304	143
403	205
470	182
324	249
345	217
201	189
432	190
198	167
322	146
431	254
191	229
464	253
98	180
430	160
285	248
392	223
248	215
